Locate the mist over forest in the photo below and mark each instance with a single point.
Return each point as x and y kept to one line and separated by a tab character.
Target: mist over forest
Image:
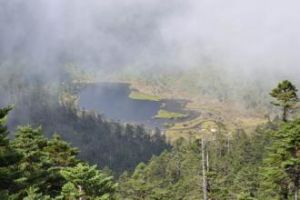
149	99
241	37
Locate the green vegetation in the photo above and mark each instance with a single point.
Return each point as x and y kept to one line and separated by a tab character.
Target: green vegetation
33	167
232	170
164	114
261	166
142	96
9	158
217	162
123	146
87	182
281	169
286	96
238	166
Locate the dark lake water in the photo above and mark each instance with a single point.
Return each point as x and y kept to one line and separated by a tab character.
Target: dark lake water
112	101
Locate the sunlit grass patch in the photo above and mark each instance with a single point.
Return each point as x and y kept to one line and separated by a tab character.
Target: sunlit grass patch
164	114
142	96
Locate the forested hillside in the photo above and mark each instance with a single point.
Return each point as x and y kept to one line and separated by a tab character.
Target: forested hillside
232	165
106	143
263	165
221	165
34	167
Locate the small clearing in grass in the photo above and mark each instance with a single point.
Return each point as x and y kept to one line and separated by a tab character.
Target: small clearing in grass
142	96
164	114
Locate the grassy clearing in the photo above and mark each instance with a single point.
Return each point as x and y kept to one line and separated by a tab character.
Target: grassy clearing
164	114
191	129
142	96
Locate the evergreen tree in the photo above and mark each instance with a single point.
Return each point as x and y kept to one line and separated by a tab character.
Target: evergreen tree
33	167
87	183
172	175
136	187
281	169
286	96
35	162
61	155
232	164
60	152
33	194
8	159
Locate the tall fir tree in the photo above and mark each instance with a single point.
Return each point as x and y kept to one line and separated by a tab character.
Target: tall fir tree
286	96
88	183
61	154
35	162
9	159
281	169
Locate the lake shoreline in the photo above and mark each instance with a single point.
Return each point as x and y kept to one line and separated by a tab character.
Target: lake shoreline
113	101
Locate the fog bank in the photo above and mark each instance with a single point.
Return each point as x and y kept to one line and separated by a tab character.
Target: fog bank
242	37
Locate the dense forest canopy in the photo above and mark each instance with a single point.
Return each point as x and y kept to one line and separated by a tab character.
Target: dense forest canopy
263	165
